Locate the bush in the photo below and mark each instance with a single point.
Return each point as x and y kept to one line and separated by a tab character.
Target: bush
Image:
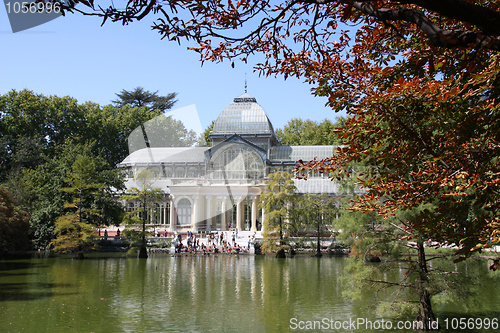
162	244
133	251
14	225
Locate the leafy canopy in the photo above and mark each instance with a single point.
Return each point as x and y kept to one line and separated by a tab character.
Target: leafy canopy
298	132
276	201
143	98
14	225
73	230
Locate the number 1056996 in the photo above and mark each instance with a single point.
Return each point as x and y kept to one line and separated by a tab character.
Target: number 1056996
471	323
24	7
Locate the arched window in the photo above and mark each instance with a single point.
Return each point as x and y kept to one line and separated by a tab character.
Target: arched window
156	214
180	172
237	161
129	172
192	172
155	170
184	212
130	206
168	172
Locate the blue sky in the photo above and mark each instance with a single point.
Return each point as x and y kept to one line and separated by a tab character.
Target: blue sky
74	56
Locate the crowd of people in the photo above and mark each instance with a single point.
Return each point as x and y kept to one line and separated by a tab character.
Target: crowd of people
218	242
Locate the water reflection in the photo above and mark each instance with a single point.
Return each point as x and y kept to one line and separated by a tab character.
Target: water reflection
171	294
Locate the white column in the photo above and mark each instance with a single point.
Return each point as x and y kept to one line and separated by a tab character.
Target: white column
200	203
255	212
208	212
172	215
194	213
223	207
165	213
240	212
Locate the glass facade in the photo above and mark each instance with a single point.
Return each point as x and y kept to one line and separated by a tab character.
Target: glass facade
295	153
243	116
158	213
236	161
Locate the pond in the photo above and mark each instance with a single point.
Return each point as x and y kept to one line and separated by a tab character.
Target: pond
217	293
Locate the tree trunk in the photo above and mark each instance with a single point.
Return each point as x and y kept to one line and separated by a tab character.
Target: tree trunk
280	254
281	230
425	316
143	252
79	253
318	247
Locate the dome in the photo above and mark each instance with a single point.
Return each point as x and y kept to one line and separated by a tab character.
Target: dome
243	116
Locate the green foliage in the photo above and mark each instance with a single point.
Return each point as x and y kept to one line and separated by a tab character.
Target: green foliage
277	202
317	211
270	245
396	310
82	186
74	230
40	138
205	139
75	178
396	284
72	235
299	132
14	225
161	131
361	231
132	252
400	278
288	214
32	127
143	98
134	236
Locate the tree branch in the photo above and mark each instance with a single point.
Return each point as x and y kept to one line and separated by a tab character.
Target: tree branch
437	36
482	17
410	285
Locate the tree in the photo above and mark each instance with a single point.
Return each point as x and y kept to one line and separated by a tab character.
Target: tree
298	132
381	242
51	188
277	201
74	230
83	185
162	131
14	225
318	211
140	98
147	196
205	139
32	126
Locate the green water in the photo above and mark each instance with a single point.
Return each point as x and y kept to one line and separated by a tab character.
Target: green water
223	293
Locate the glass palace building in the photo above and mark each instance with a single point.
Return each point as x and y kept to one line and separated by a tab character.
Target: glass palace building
219	187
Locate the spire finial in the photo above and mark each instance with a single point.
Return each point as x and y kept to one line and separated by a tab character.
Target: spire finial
245	83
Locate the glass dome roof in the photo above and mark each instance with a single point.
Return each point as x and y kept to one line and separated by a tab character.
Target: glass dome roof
243	116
